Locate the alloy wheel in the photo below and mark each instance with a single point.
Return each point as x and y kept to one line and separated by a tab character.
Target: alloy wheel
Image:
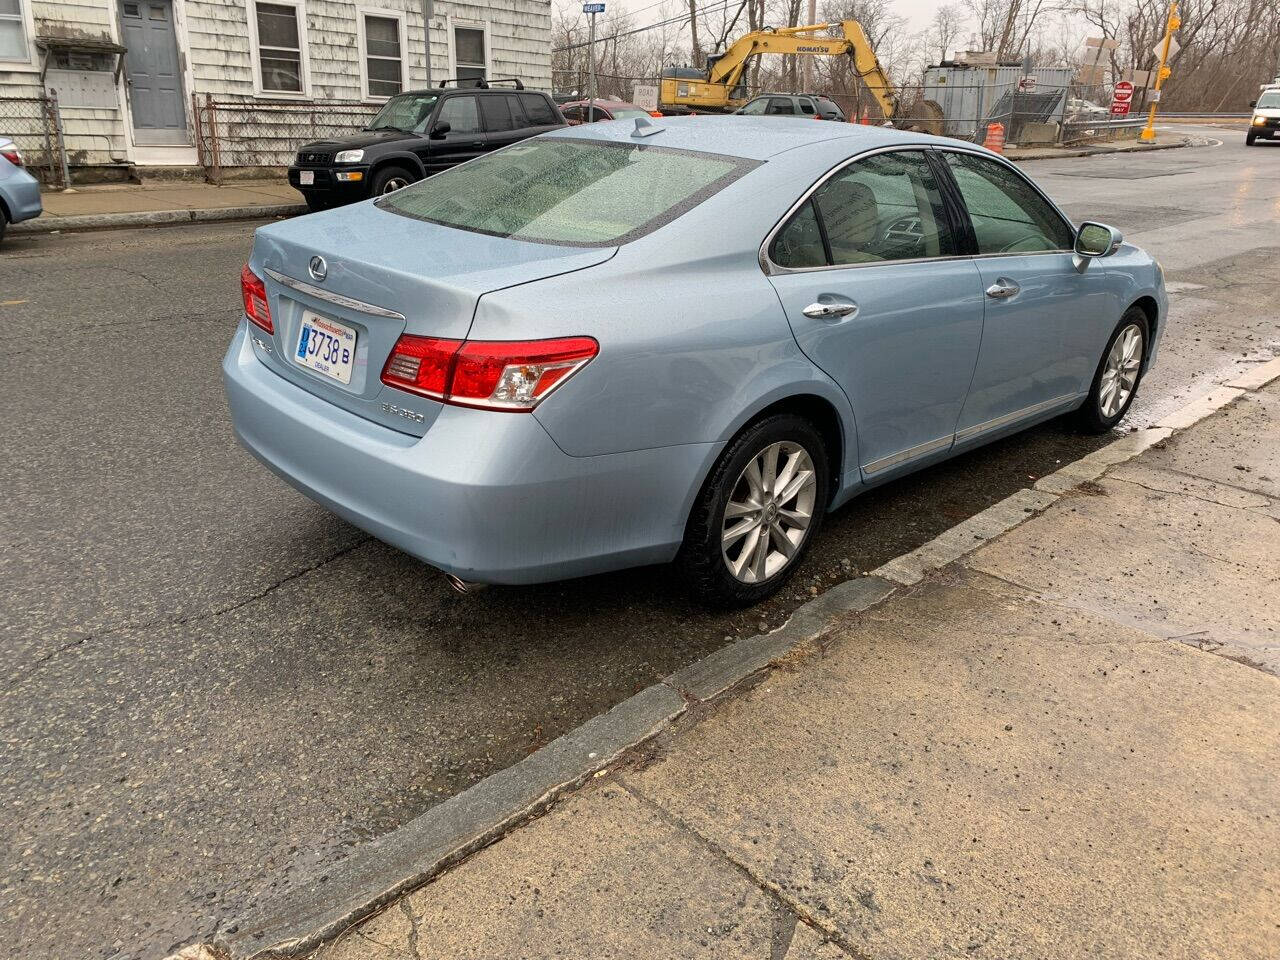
769	512
1120	375
394	184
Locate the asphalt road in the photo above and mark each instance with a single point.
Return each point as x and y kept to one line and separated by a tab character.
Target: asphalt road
212	685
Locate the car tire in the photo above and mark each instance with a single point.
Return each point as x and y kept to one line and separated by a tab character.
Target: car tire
1249	138
316	204
4	222
1119	373
707	562
389	180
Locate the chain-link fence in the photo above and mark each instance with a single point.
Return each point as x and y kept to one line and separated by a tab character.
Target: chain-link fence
35	125
247	134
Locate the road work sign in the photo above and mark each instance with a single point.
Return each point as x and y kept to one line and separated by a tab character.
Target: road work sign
1122	99
645	96
1026	84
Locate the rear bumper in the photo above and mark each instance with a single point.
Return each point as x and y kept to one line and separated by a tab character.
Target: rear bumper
21	194
485	496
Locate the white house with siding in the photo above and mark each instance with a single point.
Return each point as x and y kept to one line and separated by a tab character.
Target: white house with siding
125	71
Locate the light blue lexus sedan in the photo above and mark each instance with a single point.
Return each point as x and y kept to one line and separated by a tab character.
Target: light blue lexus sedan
680	340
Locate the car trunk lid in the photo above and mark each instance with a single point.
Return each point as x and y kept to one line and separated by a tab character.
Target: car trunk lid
383	275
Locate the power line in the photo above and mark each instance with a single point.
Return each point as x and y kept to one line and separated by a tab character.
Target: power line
684	18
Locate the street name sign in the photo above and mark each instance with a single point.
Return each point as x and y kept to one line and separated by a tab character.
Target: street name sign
593	8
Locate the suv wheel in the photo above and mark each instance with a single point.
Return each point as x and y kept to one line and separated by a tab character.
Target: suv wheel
390	179
757	513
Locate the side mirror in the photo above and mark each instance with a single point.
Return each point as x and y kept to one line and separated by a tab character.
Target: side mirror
1095	240
1252	104
440	128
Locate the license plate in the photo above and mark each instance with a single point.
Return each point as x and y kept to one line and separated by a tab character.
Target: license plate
306	177
326	346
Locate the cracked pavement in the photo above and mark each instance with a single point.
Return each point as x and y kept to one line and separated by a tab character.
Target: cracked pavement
211	686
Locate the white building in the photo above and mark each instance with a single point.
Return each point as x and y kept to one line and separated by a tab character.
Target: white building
126	72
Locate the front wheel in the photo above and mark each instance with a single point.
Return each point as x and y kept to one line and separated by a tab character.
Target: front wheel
1115	383
757	513
315	203
1249	138
391	179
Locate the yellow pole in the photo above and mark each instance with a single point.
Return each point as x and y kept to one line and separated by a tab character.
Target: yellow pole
1162	73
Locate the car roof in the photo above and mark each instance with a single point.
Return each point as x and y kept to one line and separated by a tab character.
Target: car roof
619	104
753	138
437	91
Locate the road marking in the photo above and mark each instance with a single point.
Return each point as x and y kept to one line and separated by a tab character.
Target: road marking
12	303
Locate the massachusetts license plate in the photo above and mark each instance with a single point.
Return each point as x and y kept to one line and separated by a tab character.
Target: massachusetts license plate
326	346
306	177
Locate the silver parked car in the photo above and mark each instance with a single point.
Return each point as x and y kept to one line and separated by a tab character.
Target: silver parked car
19	190
685	339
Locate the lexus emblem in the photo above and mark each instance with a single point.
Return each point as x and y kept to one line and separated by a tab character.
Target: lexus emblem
318	268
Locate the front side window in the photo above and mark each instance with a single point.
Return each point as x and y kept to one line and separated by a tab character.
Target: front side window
1009	215
279	49
568	191
13	34
383	60
468	54
756	108
883	208
572	114
462	115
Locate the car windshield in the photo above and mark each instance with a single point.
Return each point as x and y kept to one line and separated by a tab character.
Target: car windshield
569	191
1269	100
407	112
627	113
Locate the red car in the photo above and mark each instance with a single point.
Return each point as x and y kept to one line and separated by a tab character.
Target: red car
575	111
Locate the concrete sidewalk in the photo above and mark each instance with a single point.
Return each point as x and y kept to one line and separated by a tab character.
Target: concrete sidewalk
162	201
1061	745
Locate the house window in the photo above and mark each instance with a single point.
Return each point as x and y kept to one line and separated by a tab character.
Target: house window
383	55
279	48
13	34
468	54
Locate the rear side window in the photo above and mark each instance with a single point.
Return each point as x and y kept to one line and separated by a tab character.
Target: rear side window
1008	213
538	110
572	114
569	191
806	107
781	107
461	114
883	208
496	113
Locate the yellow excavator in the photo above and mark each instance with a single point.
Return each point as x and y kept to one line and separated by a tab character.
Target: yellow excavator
722	85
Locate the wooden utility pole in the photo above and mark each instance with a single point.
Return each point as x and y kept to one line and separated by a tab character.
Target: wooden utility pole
693	32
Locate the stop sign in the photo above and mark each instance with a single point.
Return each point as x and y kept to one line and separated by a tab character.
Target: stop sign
1121	98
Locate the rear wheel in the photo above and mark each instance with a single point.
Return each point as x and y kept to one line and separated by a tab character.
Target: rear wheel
757	512
4	222
390	179
1115	383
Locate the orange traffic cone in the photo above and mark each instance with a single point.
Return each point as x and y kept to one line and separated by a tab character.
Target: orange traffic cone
995	137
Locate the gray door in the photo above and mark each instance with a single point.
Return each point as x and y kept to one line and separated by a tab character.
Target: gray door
155	81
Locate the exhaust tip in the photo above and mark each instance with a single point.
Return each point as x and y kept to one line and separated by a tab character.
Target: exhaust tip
464	586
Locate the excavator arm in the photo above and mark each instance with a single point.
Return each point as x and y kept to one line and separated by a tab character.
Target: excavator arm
720	86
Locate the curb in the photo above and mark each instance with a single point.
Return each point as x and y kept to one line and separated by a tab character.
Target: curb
320	908
115	221
1063	154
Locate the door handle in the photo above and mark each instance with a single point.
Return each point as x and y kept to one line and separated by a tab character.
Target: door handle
476	143
830	307
1002	289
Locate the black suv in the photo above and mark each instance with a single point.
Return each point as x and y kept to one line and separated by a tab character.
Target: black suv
417	134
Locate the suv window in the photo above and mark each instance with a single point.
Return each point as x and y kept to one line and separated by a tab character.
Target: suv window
569	191
756	107
886	207
496	113
806	106
409	111
461	115
1008	213
571	114
781	107
538	110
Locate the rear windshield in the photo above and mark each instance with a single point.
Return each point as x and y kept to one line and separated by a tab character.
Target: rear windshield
586	193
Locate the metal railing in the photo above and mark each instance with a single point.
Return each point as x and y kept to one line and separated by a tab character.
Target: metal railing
35	125
254	134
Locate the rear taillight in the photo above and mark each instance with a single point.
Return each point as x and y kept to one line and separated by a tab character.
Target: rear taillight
511	375
254	292
12	155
